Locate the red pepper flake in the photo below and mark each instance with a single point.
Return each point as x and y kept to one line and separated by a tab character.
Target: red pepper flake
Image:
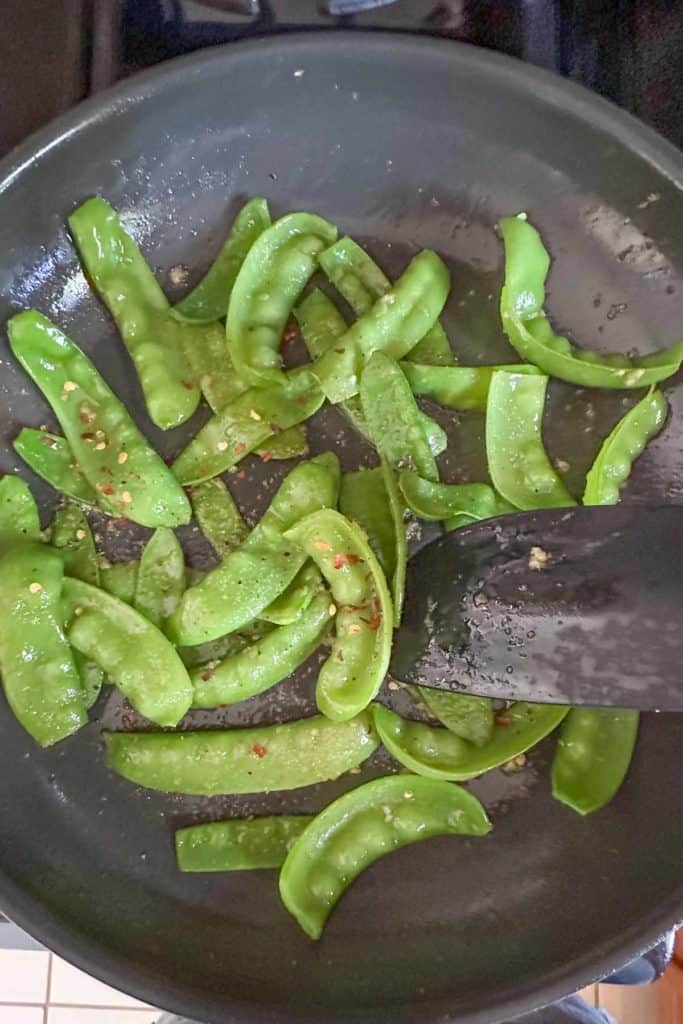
502	720
105	488
341	559
241	474
340	351
189	384
259	750
240	447
86	415
301	400
266	456
289	335
376	621
207	675
88	436
340	655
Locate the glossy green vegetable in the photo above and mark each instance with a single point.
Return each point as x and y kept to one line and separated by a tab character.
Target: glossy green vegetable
50	457
593	755
626	442
263	664
91	676
129	476
244	424
271	278
218	516
19	519
251	577
288	444
437	439
161	577
362	825
434	501
293	601
120	580
530	332
458	387
40	679
211	366
132	652
238	845
394	324
467	716
359	658
72	536
520	469
255	760
209	299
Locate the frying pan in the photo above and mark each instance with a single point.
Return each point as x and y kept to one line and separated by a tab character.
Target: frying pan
405	142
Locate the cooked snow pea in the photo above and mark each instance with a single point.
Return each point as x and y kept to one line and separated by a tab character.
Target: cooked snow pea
358	278
254	760
359	658
293	601
132	652
433	501
361	826
244	424
19	519
593	756
520	469
250	578
288	444
437	438
530	332
161	577
211	365
467	716
241	844
50	457
129	476
393	417
394	324
435	753
218	516
120	580
263	664
72	536
209	299
458	387
224	646
626	442
40	679
91	676
270	280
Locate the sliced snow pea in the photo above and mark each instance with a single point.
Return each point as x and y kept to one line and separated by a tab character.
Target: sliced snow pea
393	417
626	442
120	580
293	601
224	646
91	676
129	476
254	760
363	825
50	457
530	332
209	299
593	756
434	501
288	444
19	519
467	716
241	844
263	664
244	424
72	536
394	324
218	516
211	365
435	753
41	681
132	652
270	280
359	658
161	577
458	387
250	578
520	469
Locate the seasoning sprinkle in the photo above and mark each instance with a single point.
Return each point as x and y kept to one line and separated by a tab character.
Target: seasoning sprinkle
122	457
221	446
254	415
35	588
353	629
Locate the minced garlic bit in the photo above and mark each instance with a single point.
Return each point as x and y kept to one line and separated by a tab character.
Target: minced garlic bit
122	457
392	685
78	611
562	465
538	558
408	795
254	415
322	545
479	599
205	382
100	446
332	609
126	497
80	534
221	446
35	588
70	385
353	629
633	376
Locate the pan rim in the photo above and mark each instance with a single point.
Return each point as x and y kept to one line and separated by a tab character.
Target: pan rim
25	909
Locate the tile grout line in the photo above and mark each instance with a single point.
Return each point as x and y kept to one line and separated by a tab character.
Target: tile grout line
49	988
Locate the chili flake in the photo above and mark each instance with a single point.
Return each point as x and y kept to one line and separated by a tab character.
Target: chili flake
259	750
341	559
240	447
104	488
266	456
188	384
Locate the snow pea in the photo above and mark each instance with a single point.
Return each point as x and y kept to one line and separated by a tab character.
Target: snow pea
458	387
259	759
293	601
120	580
129	476
250	578
593	756
358	278
224	646
241	844
361	826
531	334
263	664
288	444
218	516
41	681
161	577
626	442
132	652
244	424
431	752
50	457
19	519
393	417
71	535
394	324
270	280
91	677
433	501
209	299
467	716
359	658
520	469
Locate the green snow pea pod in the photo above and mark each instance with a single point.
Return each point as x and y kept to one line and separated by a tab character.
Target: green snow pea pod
436	753
91	676
120	580
50	457
132	652
254	760
288	444
361	826
593	756
458	387
520	469
530	331
394	324
72	536
612	466
224	646
270	280
241	844
362	282
250	578
19	519
211	365
218	516
467	716
161	577
243	425
358	661
41	681
433	501
393	417
293	601
263	664
128	475
209	299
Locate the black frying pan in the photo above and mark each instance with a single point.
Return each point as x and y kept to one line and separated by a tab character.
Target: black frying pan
405	142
